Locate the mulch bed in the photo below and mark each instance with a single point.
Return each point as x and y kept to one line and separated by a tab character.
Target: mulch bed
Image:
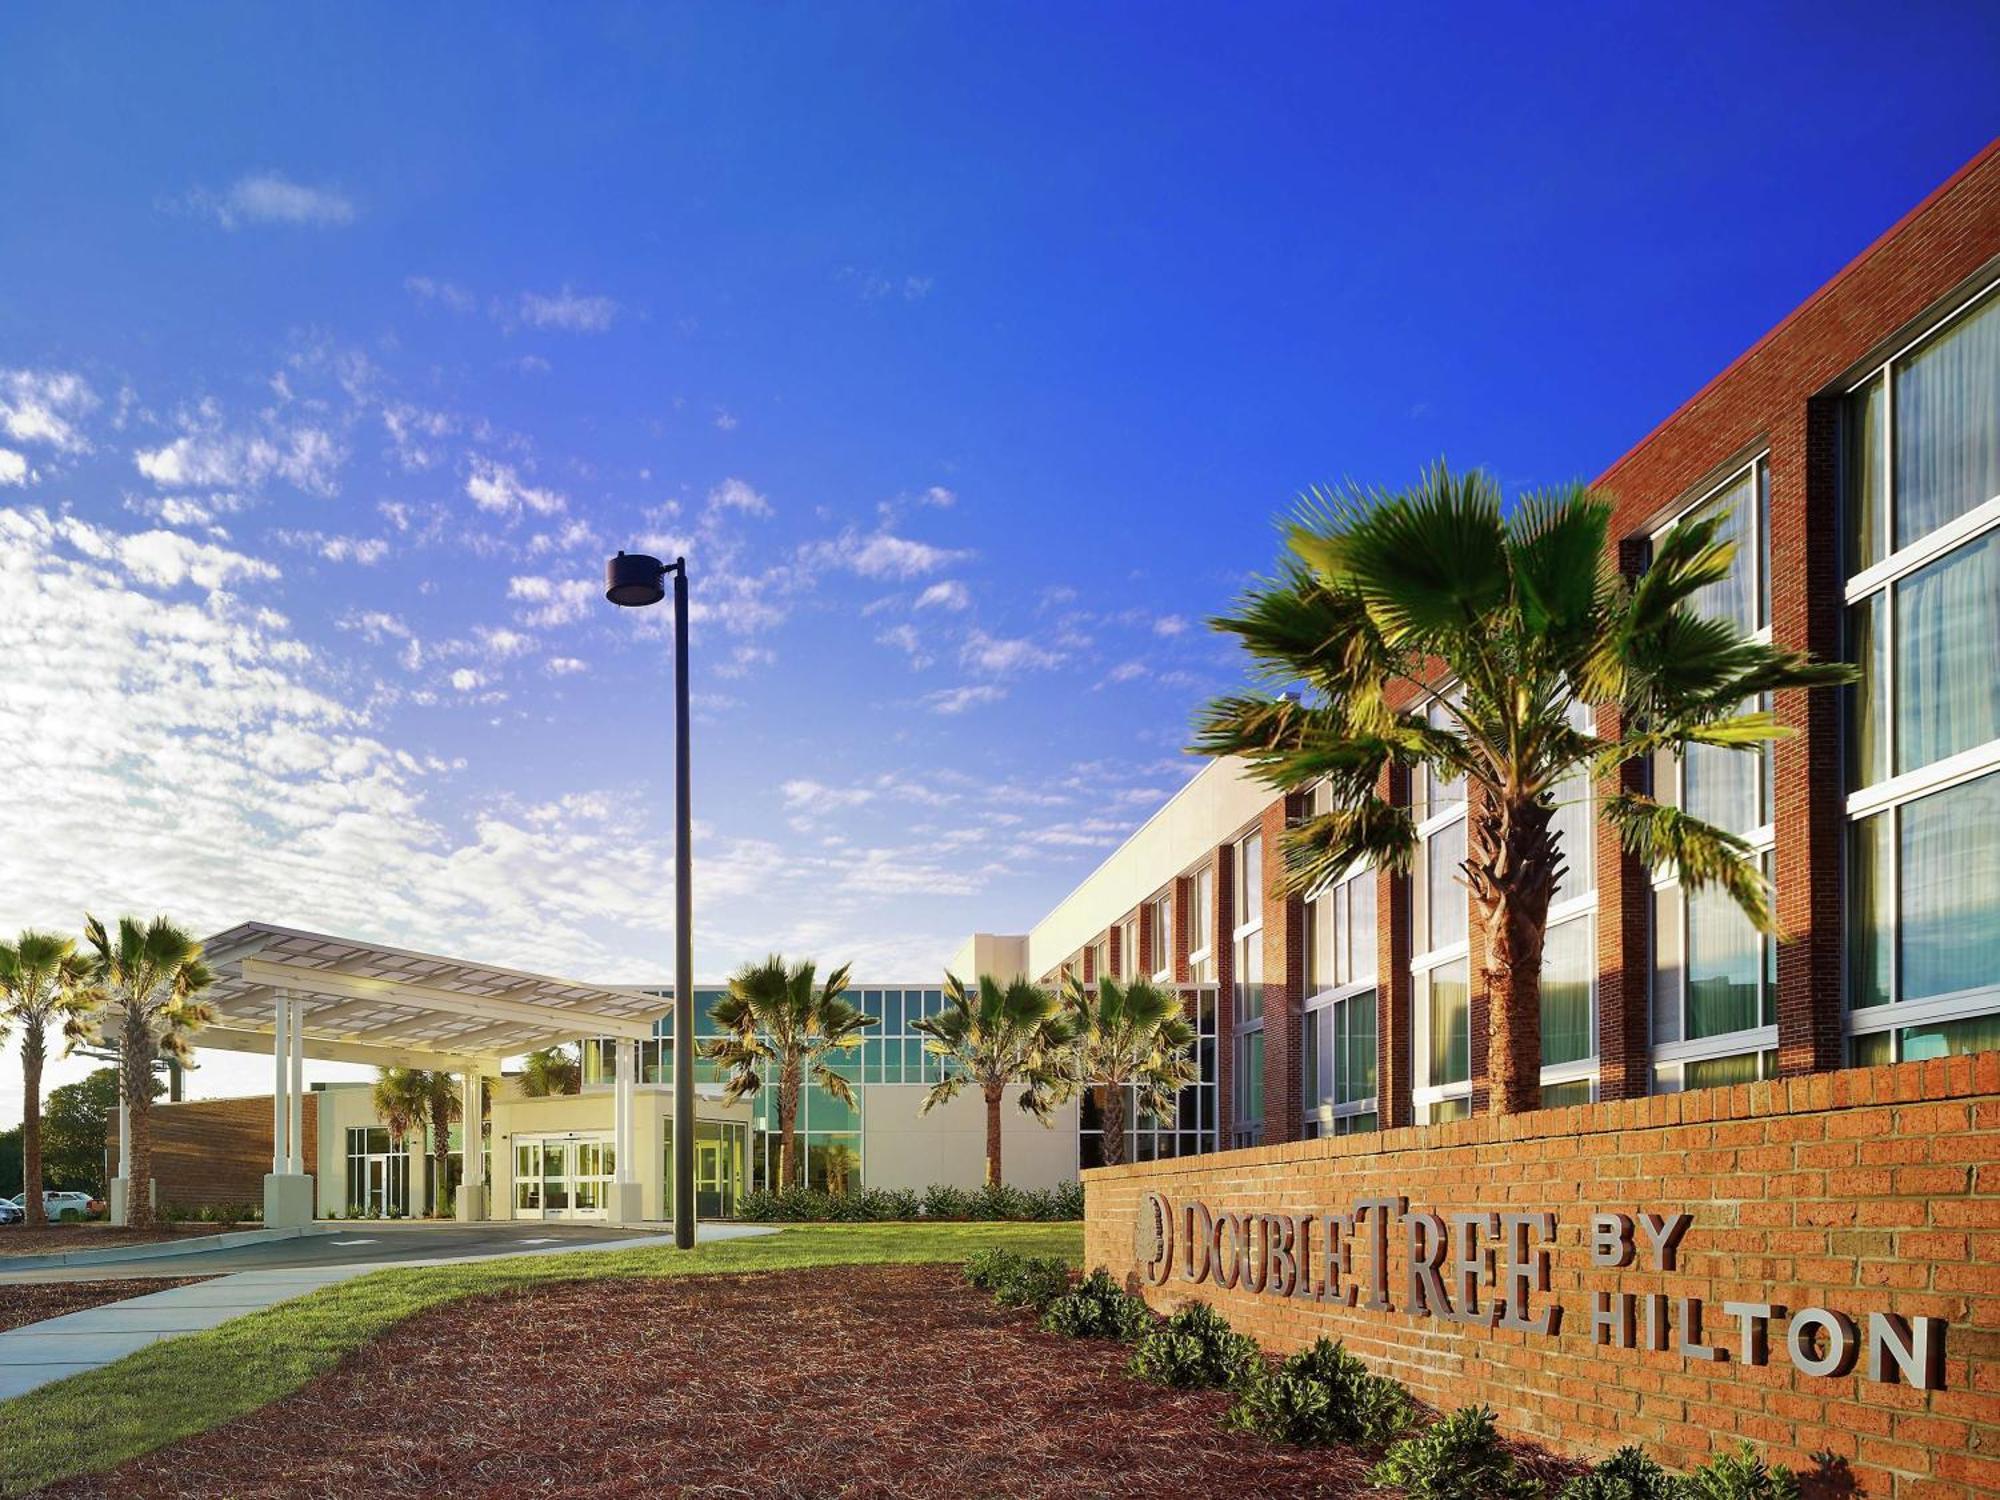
52	1239
22	1304
870	1381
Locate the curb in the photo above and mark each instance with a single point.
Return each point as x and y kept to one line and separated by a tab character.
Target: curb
117	1253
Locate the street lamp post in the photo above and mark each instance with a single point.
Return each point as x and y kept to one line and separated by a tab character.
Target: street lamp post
634	580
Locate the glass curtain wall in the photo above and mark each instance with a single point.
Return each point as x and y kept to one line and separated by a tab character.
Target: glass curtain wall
1246	1068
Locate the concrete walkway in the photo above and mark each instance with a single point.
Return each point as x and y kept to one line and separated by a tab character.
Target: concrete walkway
55	1348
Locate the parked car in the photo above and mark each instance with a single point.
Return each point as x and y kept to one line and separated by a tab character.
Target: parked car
10	1212
62	1208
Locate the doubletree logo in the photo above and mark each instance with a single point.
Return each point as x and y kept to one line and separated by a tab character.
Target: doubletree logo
1491	1270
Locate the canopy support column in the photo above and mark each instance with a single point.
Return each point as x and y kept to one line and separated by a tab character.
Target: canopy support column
289	1189
627	1206
472	1136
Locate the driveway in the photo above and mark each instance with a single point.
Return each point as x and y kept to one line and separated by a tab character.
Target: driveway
361	1242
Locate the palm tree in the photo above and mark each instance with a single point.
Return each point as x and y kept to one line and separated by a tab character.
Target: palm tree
145	982
1384	598
1122	1036
552	1070
407	1099
42	979
998	1036
774	1019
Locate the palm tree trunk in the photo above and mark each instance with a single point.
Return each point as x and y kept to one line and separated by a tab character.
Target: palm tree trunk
136	1065
788	1114
32	1052
1111	1114
1512	866
994	1093
440	1151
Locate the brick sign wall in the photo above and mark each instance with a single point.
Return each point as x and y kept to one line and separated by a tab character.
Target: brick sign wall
1811	1264
213	1151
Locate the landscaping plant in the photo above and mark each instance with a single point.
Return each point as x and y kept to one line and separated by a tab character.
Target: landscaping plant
776	1020
1741	1475
1458	1457
1627	1475
1382	597
1321	1396
1098	1308
1124	1036
991	1037
407	1099
1032	1281
1195	1347
148	979
42	981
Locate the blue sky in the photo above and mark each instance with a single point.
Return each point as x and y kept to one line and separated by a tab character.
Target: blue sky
966	351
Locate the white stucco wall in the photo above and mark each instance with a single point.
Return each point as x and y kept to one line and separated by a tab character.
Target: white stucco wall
902	1149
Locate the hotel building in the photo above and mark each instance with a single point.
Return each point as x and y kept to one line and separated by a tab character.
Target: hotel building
1855	452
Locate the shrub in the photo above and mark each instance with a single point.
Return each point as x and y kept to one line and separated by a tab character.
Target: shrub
943	1201
1195	1347
1627	1475
1098	1308
1741	1475
986	1269
1321	1396
800	1205
1035	1281
1066	1201
1457	1458
896	1203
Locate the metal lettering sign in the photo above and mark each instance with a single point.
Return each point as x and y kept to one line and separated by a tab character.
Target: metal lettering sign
1491	1270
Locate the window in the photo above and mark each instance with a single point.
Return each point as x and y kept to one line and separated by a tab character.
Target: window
1160	917
1340	1053
1200	919
1341	939
1247	1059
1714	977
1921	475
1128	949
1439	963
1191	1129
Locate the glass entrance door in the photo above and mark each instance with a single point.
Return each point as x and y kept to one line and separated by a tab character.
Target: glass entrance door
720	1156
567	1177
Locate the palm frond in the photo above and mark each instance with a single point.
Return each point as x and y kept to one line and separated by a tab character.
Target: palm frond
1698	852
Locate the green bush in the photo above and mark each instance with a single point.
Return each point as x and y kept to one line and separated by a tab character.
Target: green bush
943	1201
1321	1396
1457	1458
799	1205
1195	1347
986	1269
1741	1475
1036	1281
1627	1475
1098	1309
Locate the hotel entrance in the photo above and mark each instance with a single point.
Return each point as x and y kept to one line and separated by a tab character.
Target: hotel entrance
563	1177
721	1153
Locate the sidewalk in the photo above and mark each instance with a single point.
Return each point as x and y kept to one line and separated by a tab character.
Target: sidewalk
75	1342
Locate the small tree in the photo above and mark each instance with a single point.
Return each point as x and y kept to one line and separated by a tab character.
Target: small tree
776	1018
146	980
999	1035
550	1071
1124	1036
42	980
407	1099
1385	599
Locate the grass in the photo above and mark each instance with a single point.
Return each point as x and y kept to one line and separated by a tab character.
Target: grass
172	1390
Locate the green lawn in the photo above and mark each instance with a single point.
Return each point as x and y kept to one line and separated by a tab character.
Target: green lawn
188	1385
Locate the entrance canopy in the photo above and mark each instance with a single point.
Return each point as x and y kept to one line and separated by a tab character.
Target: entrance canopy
355	1001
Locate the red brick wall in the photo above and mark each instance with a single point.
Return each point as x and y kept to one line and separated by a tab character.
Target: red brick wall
208	1151
1868	1191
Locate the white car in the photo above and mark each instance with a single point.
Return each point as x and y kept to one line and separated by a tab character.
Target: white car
59	1206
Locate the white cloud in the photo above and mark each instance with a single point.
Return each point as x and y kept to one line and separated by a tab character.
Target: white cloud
734	494
1170	625
957	700
364	550
938	497
447	294
909	640
725	420
567	310
882	554
500	643
948	593
466	680
13	467
553	601
802	793
43	407
497	488
207	456
565	666
996	655
272	198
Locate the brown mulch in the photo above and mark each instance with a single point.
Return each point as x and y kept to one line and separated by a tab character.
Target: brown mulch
52	1239
21	1305
869	1381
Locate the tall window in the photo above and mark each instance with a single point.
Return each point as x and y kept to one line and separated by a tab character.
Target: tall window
1128	949
1159	916
1569	954
1339	1022
1714	977
1922	482
1438	963
1200	922
1247	1060
1192	1127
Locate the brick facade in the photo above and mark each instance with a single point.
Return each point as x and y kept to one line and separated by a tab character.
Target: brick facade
214	1151
1862	1192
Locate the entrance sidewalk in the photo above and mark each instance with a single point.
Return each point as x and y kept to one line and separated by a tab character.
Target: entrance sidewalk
75	1342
